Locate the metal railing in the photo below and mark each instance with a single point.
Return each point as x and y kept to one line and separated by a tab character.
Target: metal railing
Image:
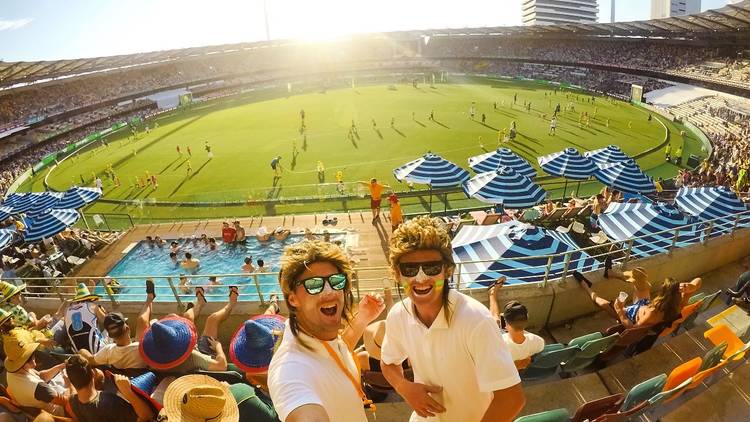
371	279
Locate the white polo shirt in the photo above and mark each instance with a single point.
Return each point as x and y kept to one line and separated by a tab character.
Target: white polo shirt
468	358
298	376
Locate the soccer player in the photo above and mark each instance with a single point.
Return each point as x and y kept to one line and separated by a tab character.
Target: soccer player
374	124
484	118
276	166
552	126
432	114
178	150
668	152
189	167
393	121
190	152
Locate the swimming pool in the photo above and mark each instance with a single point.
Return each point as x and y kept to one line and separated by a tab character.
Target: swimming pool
149	260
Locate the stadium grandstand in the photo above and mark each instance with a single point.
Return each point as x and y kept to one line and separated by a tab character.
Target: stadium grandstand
564	233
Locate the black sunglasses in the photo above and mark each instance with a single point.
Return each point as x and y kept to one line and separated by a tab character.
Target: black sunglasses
315	285
411	269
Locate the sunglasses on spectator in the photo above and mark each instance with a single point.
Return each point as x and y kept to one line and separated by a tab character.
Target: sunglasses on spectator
411	269
315	285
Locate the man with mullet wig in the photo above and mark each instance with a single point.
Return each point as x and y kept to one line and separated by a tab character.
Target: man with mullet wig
313	376
462	368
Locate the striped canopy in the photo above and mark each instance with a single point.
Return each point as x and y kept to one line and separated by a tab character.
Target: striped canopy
433	170
13	198
567	163
5	212
517	251
624	221
710	203
506	187
45	201
606	155
77	197
6	236
625	176
501	157
23	202
48	224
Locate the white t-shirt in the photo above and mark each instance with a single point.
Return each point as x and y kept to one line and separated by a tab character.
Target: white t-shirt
121	357
531	346
467	358
298	376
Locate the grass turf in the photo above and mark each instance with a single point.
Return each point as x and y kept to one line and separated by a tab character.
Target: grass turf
247	131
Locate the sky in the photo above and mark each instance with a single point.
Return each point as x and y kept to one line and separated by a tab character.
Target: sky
33	30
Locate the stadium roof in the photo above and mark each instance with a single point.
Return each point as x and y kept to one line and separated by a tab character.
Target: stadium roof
728	21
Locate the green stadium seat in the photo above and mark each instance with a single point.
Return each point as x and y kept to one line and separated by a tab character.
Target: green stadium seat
589	351
668	395
546	363
643	392
557	415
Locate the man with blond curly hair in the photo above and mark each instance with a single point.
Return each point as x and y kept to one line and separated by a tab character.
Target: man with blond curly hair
462	368
312	375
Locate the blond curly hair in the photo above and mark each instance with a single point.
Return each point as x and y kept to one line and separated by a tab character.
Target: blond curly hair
422	233
297	257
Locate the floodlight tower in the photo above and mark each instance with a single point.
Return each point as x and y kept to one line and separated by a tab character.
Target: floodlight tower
612	12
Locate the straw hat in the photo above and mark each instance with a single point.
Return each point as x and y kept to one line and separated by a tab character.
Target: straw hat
8	290
255	341
168	342
82	293
638	277
199	398
17	351
373	338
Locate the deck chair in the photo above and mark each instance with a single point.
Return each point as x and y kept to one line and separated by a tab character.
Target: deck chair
482	218
586	212
546	363
590	347
571	213
556	215
557	415
721	333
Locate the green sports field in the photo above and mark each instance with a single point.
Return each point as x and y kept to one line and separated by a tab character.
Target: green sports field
245	132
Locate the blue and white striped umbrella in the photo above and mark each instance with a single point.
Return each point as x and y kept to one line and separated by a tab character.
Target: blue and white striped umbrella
45	201
24	202
6	236
568	164
625	176
13	198
606	155
48	224
501	157
506	187
710	203
624	221
5	212
516	250
433	170
76	197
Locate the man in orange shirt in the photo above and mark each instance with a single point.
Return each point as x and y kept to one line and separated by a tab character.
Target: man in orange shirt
376	194
396	216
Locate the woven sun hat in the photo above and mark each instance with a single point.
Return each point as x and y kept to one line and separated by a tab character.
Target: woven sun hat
144	385
199	398
8	290
17	351
255	341
373	338
168	342
83	293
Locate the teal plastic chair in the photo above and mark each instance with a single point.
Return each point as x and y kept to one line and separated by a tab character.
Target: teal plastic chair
713	356
666	395
689	322
590	347
557	415
696	297
643	392
546	363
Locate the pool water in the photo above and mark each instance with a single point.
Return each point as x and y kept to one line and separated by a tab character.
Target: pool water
149	260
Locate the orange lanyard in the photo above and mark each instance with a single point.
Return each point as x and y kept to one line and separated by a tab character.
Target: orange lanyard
357	386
